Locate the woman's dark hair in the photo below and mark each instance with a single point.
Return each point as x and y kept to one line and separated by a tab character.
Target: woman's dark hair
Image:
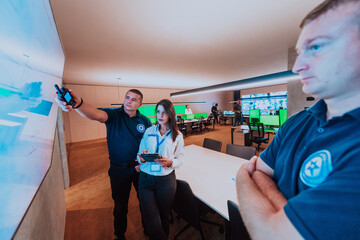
170	111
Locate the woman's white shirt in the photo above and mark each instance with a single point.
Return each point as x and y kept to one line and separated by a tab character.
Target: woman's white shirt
188	111
173	151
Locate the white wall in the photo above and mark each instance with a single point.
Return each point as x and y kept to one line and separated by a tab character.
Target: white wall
45	217
78	128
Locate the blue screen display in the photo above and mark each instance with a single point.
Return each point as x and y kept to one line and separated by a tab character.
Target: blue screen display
67	97
31	62
267	103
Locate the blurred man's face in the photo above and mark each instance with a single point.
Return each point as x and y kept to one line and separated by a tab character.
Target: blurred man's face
329	54
132	101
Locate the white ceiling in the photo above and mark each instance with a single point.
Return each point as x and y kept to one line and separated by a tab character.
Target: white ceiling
176	44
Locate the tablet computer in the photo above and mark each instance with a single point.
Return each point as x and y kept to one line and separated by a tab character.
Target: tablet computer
149	157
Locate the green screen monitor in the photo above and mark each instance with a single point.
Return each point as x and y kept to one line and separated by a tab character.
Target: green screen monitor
190	116
254	113
148	111
283	116
204	115
270	120
180	109
197	115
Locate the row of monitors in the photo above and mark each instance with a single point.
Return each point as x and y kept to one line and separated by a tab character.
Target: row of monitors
193	116
184	116
149	111
269	120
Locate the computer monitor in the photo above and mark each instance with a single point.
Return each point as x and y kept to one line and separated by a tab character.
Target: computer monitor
197	115
204	115
190	116
283	116
228	112
270	120
148	111
254	113
180	109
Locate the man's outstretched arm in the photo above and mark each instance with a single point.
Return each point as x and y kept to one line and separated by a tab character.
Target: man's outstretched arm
261	205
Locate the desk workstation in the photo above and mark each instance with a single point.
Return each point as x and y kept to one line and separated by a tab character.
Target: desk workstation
240	134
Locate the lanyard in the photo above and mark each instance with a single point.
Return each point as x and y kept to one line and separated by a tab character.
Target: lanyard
158	143
162	140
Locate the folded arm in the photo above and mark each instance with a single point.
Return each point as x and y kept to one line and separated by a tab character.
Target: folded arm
261	203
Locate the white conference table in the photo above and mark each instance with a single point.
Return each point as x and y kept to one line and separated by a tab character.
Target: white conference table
211	176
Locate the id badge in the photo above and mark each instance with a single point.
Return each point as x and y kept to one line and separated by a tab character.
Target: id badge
155	167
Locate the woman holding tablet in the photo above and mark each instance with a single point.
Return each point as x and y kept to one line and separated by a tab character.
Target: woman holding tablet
157	181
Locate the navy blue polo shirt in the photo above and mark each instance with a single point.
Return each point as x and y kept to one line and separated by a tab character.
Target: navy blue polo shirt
124	134
316	166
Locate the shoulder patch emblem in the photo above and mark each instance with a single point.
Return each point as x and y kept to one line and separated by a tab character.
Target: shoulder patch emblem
140	127
316	168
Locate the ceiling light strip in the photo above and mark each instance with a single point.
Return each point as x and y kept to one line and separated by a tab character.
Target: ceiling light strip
260	81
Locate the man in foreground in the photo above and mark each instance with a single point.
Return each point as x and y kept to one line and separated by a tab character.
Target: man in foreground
125	127
307	182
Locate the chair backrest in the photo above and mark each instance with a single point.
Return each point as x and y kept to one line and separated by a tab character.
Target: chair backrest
181	125
251	130
261	130
240	151
178	118
257	130
212	144
237	227
221	113
185	204
255	120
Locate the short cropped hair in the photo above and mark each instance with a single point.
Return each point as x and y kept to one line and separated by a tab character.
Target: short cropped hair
325	7
136	91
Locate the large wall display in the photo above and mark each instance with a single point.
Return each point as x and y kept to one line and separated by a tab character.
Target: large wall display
31	62
267	103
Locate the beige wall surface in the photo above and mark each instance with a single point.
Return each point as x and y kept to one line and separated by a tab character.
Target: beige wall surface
78	128
45	217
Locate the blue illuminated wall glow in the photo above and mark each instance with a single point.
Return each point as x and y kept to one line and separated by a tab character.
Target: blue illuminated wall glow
31	62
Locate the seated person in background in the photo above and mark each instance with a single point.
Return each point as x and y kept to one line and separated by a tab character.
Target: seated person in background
215	112
157	181
188	110
306	184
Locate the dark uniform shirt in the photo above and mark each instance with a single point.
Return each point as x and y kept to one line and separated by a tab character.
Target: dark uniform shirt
237	107
124	134
316	165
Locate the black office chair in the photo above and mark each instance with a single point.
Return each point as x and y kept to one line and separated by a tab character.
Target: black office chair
240	151
197	126
208	122
222	118
257	134
212	144
182	127
189	208
237	227
255	120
